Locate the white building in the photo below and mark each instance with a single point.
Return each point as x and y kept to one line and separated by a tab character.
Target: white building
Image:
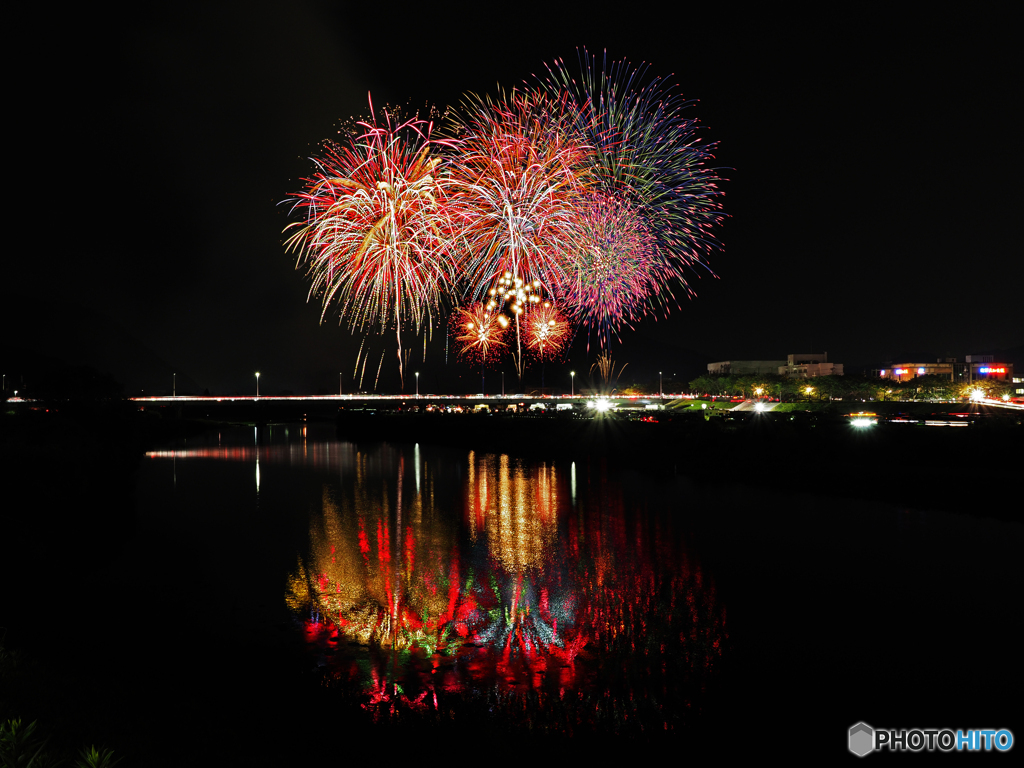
808	365
744	367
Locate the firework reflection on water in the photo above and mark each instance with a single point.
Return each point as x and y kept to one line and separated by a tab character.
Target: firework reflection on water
550	611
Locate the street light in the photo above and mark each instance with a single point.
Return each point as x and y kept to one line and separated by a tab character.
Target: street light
339	383
572	383
417	383
257	383
661	389
174	385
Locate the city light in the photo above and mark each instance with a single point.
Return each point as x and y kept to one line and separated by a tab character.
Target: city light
863	420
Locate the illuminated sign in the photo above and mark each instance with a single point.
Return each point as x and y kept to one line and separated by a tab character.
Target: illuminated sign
898	371
920	371
991	370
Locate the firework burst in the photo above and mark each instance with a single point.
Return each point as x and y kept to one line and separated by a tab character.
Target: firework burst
617	272
591	189
479	332
374	238
646	151
547	331
515	183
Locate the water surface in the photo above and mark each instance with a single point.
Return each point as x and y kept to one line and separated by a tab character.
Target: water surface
420	586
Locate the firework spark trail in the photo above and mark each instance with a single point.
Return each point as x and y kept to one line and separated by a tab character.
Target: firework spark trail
374	237
358	355
513	188
606	369
379	366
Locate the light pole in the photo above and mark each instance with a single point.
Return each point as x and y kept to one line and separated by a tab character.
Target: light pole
502	383
257	383
661	389
417	383
572	383
339	383
174	385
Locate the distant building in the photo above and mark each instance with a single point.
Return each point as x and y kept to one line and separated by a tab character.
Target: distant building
973	368
744	367
801	366
808	365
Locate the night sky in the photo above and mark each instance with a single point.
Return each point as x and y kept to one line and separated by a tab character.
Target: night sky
873	164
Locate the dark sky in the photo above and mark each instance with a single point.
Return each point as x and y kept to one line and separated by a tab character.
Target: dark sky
873	196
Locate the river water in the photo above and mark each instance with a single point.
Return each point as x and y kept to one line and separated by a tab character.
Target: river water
420	588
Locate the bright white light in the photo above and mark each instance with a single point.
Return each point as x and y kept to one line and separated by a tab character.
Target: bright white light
602	405
759	407
977	394
862	422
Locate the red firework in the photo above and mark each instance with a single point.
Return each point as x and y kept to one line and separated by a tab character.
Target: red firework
374	236
479	332
514	187
547	331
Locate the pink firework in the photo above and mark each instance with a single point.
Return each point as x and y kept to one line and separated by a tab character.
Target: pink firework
515	184
617	273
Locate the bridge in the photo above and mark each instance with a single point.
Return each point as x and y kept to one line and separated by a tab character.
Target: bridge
281	406
364	399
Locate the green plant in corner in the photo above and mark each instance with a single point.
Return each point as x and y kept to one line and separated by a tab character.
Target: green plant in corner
20	747
92	758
